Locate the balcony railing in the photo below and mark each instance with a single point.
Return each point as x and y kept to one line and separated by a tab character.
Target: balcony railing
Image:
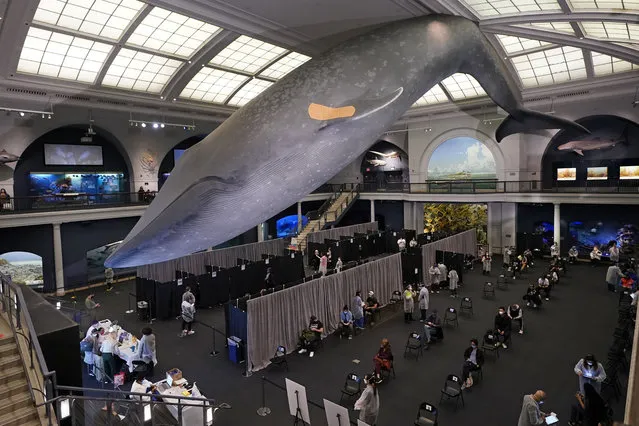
72	201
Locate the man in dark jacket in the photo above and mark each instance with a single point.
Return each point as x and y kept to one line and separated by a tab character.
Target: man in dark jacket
473	360
502	326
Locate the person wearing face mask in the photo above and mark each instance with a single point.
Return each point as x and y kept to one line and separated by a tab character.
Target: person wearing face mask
434	274
368	402
346	323
590	371
502	327
424	300
409	304
473	360
573	254
383	358
531	414
515	313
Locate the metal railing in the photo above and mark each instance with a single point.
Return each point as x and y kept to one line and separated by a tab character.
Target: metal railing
72	201
15	311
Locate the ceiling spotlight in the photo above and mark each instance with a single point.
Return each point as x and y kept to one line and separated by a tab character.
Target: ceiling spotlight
161	97
184	127
136	124
143	124
162	125
42	115
21	114
174	99
156	125
50	117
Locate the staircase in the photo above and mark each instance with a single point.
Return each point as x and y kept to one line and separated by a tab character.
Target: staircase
16	405
330	213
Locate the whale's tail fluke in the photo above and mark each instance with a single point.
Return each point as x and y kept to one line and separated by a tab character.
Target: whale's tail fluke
525	121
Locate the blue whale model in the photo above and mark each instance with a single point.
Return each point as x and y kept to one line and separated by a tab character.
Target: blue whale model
304	129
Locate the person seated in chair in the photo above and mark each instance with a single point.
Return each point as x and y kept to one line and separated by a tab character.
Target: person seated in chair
590	408
372	306
473	360
543	283
532	297
383	358
503	325
528	254
515	313
573	255
433	327
346	323
595	256
311	336
141	385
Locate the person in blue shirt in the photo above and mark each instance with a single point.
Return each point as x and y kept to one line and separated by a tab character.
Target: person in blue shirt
346	323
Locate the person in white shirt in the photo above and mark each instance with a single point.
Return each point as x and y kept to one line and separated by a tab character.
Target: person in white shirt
554	250
339	264
434	274
443	274
595	255
614	253
507	256
453	282
544	285
412	243
401	243
146	351
108	354
188	316
573	254
424	300
486	261
141	385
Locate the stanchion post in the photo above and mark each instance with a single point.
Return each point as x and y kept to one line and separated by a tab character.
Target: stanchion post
263	410
214	351
129	311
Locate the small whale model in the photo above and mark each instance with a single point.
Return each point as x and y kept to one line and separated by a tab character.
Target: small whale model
6	157
307	127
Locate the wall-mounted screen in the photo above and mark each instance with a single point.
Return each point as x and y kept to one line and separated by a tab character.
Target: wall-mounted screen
177	153
72	155
81	183
629	172
597	173
569	173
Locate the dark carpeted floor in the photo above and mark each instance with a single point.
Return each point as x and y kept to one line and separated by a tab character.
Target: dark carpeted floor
580	319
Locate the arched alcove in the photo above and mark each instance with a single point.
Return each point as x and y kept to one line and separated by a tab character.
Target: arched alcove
23	267
478	156
609	154
383	163
168	162
59	160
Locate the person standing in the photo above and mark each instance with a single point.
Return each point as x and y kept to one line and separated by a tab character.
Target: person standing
424	300
531	414
339	264
108	358
507	256
146	350
443	274
401	244
614	253
358	310
453	282
98	364
92	307
434	274
613	275
316	260
409	304
108	276
188	316
269	282
486	262
188	295
368	402
590	371
323	268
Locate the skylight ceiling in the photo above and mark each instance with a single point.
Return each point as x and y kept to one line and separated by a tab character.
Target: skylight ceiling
434	96
604	4
285	65
550	66
612	30
518	44
463	86
604	64
212	85
140	71
490	8
249	91
104	18
247	54
172	33
561	27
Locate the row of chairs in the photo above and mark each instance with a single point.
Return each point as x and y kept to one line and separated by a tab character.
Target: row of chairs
617	362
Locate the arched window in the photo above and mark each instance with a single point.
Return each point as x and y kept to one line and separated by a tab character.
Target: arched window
24	268
462	158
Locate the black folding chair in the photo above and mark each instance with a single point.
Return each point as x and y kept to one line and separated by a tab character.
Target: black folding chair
426	415
466	306
502	282
452	390
414	343
352	386
489	289
279	359
488	345
385	373
450	317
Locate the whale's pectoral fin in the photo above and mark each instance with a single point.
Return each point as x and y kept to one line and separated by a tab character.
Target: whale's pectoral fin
527	120
354	110
578	151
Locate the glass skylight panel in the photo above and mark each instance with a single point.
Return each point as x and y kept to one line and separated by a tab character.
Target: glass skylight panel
463	86
611	30
140	71
249	91
434	96
488	8
105	18
247	54
604	4
285	65
62	56
562	27
212	85
172	33
518	44
550	66
604	64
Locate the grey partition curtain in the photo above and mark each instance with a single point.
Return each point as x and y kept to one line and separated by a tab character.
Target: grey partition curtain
196	263
335	233
464	242
278	318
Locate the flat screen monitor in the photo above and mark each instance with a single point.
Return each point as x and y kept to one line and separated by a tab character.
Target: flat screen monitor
629	172
177	153
597	173
72	155
569	173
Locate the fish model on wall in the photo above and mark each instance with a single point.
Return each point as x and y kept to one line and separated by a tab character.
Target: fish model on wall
306	128
6	157
593	143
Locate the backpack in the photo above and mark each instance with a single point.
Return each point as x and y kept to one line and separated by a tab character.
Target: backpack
86	345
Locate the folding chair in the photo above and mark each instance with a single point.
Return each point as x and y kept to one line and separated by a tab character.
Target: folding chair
385	373
396	300
466	306
452	390
426	415
450	317
352	386
488	345
414	343
279	358
489	289
502	282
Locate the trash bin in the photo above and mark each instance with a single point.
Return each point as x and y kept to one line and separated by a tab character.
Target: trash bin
235	349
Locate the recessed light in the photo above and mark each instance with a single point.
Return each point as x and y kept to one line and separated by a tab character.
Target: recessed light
162	125
143	124
21	114
156	125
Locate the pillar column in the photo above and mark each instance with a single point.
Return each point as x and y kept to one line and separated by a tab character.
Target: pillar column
57	255
299	217
557	226
372	210
260	232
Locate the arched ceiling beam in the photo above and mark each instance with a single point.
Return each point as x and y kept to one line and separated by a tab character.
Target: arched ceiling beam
527	18
605	47
202	57
449	7
123	39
